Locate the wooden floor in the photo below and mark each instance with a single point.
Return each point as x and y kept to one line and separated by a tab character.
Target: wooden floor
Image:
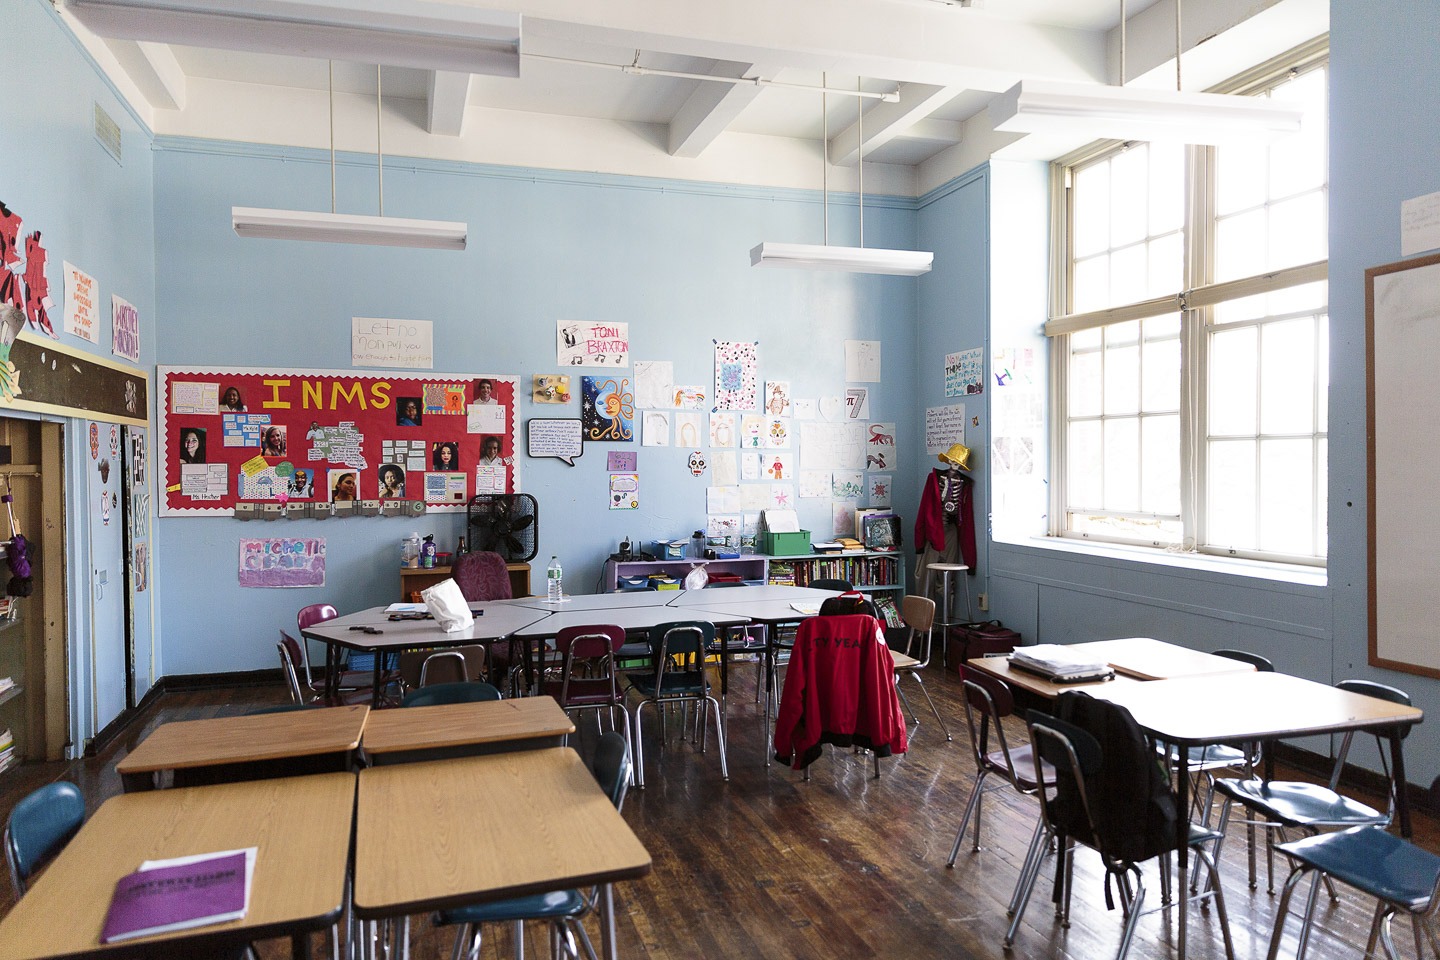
844	866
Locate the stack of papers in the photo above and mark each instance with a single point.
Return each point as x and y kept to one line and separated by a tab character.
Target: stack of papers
781	521
177	894
1060	664
807	608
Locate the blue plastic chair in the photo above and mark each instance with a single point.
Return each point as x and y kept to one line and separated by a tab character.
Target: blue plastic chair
39	827
439	693
564	910
1402	877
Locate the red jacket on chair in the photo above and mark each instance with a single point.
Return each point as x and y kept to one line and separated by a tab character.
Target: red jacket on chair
840	689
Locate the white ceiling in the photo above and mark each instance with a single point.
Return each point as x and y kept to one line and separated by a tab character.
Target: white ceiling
946	60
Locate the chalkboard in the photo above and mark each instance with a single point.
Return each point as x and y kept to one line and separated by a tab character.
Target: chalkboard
1402	353
242	435
57	379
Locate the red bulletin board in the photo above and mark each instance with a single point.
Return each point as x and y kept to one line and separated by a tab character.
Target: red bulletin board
300	431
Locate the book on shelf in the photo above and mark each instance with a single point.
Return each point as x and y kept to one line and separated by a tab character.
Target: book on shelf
6	683
180	893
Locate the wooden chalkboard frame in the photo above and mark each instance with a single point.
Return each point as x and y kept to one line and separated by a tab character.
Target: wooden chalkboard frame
1401	451
61	380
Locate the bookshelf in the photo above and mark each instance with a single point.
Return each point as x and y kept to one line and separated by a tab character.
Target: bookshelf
870	571
750	567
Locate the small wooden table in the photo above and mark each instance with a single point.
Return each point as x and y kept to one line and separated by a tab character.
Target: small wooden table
440	854
1147	659
301	826
465	729
413	579
234	748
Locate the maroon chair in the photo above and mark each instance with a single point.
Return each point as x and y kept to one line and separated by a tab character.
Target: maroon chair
587	679
482	576
347	680
291	655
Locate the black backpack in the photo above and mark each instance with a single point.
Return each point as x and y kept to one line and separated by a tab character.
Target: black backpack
1131	800
849	603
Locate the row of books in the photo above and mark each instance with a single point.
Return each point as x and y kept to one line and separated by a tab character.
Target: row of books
861	571
8	756
6	683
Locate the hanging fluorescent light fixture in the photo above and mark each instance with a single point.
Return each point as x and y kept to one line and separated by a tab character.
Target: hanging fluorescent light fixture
332	227
1098	112
403	33
861	259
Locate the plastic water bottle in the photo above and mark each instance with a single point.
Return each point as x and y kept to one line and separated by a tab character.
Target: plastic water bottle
410	551
552	579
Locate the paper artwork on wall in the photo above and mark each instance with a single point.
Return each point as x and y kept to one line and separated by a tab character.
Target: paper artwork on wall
655	428
723	526
722	499
944	426
880	453
842	518
862	361
621	461
624	491
654	380
550	388
846	485
735	374
607	409
965	373
815	484
821	445
141	573
561	438
381	342
779	466
857	403
723	430
338	444
581	344
755	496
806	409
687	428
442	487
852	452
696	463
777	398
80	309
749	465
782	496
38	302
753	431
727	472
124	330
832	409
777	433
879	489
282	562
1013	366
688	398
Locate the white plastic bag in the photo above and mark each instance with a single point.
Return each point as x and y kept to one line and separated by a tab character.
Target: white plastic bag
447	605
697	577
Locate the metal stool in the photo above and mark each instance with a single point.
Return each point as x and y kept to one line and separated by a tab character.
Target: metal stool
947	587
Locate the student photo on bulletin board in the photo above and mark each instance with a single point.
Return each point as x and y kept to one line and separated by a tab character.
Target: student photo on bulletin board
300	486
484	391
272	441
491	448
230	401
407	411
392	481
344	485
192	445
445	456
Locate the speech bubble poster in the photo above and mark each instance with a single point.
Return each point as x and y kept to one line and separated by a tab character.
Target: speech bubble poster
558	437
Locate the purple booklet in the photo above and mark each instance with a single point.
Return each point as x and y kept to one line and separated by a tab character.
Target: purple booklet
166	895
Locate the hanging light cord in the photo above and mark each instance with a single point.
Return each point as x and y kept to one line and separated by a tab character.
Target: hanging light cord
379	153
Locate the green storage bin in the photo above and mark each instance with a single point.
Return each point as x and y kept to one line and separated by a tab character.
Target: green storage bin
785	544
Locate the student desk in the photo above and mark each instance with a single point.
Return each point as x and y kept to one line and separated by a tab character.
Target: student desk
440	854
710	596
1147	659
301	826
493	621
267	745
465	729
601	601
1032	683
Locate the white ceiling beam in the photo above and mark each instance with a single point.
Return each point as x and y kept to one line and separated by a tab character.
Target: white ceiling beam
447	97
713	107
886	121
153	69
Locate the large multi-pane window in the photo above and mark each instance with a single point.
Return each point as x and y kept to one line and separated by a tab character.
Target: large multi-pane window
1191	341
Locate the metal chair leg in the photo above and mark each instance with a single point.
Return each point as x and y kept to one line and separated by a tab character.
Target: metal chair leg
938	719
972	807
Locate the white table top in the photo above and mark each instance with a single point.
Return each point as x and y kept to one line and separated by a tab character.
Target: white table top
600	601
493	621
728	596
627	618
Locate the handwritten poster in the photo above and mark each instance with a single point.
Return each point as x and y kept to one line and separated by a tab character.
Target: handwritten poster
580	344
944	426
378	342
969	373
125	330
555	437
80	303
282	562
736	387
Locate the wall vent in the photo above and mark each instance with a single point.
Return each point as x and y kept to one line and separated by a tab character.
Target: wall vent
107	131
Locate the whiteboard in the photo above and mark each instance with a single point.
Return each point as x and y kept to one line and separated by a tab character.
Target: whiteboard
1402	306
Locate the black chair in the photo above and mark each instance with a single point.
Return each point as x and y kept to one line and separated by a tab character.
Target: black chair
441	693
564	910
1089	808
1281	804
1402	877
677	675
830	584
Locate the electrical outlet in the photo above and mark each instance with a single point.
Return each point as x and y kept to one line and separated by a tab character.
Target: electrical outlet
983	601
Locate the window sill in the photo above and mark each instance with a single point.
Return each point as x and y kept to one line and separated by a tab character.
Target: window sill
1204	563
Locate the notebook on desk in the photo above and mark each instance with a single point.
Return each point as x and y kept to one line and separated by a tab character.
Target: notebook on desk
1059	664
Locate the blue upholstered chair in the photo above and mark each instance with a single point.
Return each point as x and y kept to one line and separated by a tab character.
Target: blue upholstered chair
438	693
39	827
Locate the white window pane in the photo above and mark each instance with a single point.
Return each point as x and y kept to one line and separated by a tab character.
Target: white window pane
1230	506
1122	380
1166	266
1085	384
1119	334
1241	309
1307	296
1160	377
1122	464
1287	376
1085	465
1090	229
1129	275
1090	284
1165	325
1160	465
1287	496
1240	246
1167	188
1322	386
1297	231
1128	200
1240	180
1298	162
1232	383
1090	339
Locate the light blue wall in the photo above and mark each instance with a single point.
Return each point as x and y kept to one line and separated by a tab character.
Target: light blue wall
97	214
671	259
